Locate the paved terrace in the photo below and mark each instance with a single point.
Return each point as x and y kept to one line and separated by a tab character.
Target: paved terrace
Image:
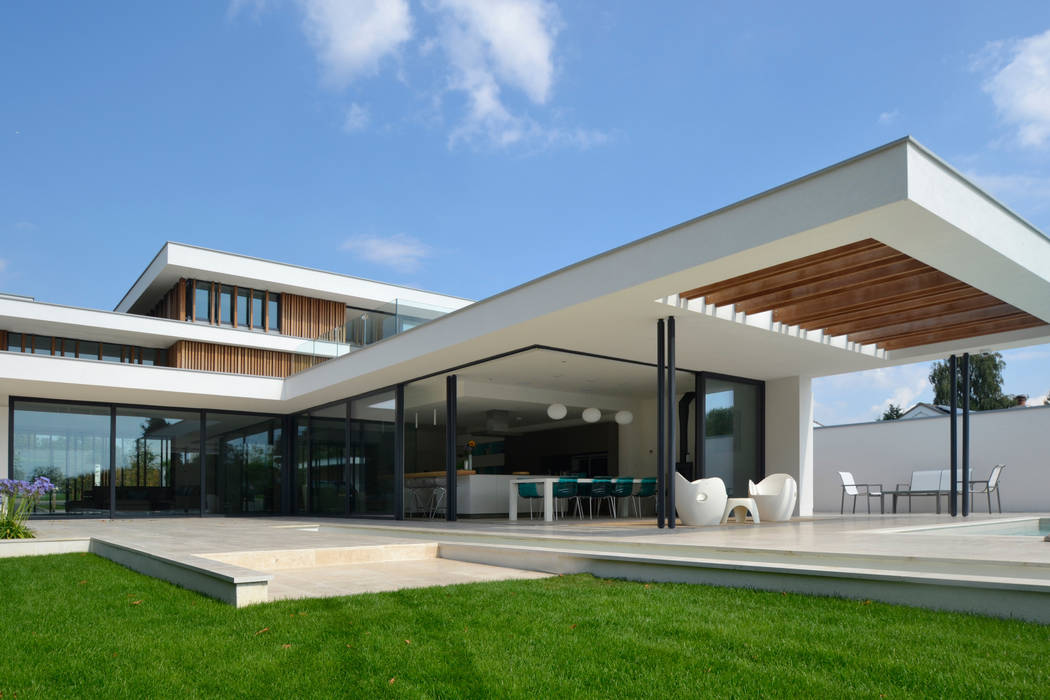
888	557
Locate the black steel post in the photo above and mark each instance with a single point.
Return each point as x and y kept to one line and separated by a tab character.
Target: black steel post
203	464
661	377
450	446
669	452
966	435
399	452
112	461
953	370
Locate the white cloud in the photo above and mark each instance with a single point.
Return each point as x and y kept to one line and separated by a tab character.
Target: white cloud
1020	86
357	118
493	44
399	251
889	117
351	37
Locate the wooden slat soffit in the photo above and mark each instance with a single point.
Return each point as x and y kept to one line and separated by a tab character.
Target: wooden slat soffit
870	293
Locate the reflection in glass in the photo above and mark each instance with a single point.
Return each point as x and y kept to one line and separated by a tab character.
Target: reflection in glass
372	431
158	461
328	460
226	306
274	311
69	444
425	447
731	433
202	301
302	464
243	464
242	308
257	309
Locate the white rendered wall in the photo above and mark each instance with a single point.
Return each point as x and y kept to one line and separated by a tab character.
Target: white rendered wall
888	451
789	435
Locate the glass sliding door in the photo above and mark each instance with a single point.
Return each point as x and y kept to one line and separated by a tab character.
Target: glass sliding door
158	461
69	444
733	431
244	461
372	435
425	470
328	478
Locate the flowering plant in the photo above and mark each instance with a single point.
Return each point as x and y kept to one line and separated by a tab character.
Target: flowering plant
17	500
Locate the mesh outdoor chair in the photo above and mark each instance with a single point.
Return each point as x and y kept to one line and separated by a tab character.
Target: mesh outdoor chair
646	489
988	486
851	488
565	489
601	490
623	488
530	491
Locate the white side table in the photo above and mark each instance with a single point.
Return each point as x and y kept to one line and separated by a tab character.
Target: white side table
739	508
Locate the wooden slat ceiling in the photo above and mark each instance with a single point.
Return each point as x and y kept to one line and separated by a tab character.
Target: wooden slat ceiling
872	294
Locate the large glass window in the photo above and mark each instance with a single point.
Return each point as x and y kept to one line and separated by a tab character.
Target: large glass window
732	431
273	302
69	444
88	350
372	431
242	309
226	306
158	461
257	308
328	478
41	345
243	467
14	342
202	302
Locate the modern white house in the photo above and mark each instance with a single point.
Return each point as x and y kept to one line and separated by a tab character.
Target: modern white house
227	385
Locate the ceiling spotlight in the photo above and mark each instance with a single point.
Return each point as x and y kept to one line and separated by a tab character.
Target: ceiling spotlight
557	411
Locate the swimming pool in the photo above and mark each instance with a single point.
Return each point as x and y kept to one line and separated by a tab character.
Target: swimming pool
1030	527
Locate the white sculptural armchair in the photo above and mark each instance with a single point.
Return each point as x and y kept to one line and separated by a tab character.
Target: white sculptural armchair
775	496
699	502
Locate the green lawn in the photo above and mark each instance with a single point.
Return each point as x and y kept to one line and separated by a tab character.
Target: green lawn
79	625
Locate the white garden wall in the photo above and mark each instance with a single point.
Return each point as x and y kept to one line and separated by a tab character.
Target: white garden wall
888	451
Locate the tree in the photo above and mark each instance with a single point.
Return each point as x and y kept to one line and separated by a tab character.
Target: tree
986	383
893	412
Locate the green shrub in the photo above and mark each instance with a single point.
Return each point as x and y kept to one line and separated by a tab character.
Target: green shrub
11	529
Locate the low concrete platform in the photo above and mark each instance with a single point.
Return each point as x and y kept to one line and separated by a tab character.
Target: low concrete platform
894	558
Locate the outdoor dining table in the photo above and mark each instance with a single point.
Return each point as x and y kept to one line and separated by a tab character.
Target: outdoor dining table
548	491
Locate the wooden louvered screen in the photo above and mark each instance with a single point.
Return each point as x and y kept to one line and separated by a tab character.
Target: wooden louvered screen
188	354
3	340
172	304
871	293
306	317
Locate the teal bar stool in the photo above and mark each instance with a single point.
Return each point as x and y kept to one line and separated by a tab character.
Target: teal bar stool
530	491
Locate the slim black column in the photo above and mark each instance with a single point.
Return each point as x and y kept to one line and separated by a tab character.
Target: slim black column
112	461
661	497
669	452
698	427
451	399
953	370
399	452
204	465
966	435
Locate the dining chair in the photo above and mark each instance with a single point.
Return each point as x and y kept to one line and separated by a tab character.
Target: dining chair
530	491
988	486
601	490
646	489
623	488
565	489
851	488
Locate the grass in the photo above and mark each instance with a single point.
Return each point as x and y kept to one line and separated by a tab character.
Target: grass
79	625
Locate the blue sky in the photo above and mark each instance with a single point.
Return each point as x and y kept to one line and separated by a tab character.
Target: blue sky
467	146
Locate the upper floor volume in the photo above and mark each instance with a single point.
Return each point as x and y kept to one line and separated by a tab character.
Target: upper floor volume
274	318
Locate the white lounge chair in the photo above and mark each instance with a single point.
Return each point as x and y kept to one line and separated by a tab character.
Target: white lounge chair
851	488
775	496
699	502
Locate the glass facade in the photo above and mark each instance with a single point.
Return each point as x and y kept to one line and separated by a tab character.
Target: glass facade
373	433
425	425
69	444
157	461
733	425
237	307
243	464
328	478
85	349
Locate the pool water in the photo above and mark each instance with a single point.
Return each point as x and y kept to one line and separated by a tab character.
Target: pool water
1034	527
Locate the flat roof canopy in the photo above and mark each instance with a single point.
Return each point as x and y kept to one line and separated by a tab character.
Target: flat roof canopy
870	293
